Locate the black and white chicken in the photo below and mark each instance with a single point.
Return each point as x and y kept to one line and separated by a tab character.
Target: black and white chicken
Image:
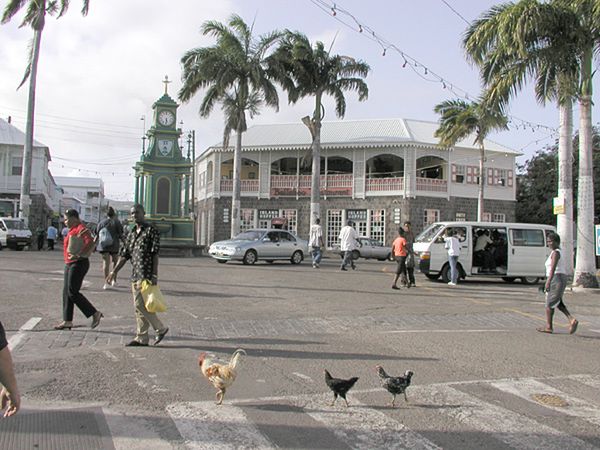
339	387
395	385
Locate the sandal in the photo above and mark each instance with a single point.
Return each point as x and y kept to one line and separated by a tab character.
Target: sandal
63	326
544	330
573	327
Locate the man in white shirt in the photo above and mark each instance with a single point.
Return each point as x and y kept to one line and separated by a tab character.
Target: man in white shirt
348	243
315	242
453	247
481	250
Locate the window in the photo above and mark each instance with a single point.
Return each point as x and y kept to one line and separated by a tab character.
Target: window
460	217
163	196
502	177
17	165
252	175
334	225
377	231
247	219
487	217
527	238
499	217
430	216
292	217
459	173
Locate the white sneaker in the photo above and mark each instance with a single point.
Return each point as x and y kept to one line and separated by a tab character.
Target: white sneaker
114	283
106	286
450	283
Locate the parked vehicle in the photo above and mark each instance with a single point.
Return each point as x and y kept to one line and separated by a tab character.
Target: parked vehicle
260	244
368	248
14	234
512	250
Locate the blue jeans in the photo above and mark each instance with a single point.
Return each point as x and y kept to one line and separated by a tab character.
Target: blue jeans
453	260
347	259
316	255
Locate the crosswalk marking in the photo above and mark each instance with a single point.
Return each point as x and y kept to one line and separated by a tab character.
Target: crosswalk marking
515	430
204	425
528	387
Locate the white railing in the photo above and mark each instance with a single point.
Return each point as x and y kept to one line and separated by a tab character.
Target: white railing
246	185
431	185
384	184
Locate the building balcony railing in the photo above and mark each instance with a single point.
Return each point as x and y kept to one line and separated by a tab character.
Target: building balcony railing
432	185
247	185
292	185
384	184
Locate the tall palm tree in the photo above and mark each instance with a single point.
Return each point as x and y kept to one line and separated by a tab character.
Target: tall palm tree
306	70
515	42
550	39
35	16
460	119
233	73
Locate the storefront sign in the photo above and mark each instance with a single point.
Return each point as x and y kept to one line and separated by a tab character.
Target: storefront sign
356	214
267	214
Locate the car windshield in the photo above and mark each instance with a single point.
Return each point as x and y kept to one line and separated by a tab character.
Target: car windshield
250	235
429	233
14	224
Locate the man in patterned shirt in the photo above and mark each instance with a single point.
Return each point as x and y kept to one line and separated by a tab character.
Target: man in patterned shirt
141	247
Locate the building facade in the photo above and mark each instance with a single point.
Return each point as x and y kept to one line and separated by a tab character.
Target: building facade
377	173
86	194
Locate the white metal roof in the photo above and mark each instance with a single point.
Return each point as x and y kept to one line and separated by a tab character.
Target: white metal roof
351	134
11	135
79	182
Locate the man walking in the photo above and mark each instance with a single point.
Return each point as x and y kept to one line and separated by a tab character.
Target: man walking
315	241
348	243
141	247
51	234
399	253
110	232
453	247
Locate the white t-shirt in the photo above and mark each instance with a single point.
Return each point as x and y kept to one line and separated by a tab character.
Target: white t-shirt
482	242
453	246
561	266
347	238
316	235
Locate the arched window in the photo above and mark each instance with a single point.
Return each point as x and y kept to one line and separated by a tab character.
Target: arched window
163	196
209	171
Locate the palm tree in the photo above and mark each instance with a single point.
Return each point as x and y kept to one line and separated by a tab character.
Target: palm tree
515	42
556	41
460	119
306	70
233	73
35	16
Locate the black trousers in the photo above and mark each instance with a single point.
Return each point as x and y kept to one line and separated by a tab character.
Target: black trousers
74	274
50	244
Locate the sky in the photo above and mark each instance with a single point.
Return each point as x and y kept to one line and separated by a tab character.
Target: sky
99	75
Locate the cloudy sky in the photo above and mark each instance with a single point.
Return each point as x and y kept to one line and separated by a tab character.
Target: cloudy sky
100	74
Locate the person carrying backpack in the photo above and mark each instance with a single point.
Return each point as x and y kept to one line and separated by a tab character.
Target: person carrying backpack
109	235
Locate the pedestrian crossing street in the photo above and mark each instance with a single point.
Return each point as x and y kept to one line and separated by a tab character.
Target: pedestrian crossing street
525	413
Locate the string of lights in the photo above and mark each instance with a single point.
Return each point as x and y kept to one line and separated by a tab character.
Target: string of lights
423	71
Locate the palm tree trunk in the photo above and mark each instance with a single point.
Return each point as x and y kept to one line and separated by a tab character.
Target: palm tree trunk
315	185
25	199
481	182
564	222
585	267
237	184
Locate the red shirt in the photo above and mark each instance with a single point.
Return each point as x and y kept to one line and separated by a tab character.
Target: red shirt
399	247
78	230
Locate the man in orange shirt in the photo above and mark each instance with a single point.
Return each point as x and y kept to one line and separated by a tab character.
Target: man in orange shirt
399	252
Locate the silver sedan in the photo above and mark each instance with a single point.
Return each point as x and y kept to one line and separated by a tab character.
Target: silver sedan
260	244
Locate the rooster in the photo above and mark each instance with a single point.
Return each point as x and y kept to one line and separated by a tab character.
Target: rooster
395	385
220	375
339	387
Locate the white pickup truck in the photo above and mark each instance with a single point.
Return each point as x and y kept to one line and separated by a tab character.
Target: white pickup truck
14	234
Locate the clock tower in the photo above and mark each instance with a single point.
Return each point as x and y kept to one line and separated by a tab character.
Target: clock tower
163	176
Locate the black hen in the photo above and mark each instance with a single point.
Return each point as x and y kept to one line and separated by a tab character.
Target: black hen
339	387
395	385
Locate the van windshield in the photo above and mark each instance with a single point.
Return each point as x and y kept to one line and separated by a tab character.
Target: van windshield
14	224
429	233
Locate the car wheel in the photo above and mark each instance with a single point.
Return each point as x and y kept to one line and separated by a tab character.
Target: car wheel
529	280
221	261
509	279
297	257
445	273
250	257
355	254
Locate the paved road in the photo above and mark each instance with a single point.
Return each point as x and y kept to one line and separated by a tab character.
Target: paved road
483	376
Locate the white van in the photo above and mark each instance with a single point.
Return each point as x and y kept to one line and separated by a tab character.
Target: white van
14	234
506	250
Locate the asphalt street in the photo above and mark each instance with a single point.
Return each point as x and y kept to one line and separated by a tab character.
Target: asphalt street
483	377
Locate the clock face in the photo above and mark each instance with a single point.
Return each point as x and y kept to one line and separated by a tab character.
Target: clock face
165	147
166	118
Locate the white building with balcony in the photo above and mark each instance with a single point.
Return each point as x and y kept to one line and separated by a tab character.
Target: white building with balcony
379	173
45	195
87	194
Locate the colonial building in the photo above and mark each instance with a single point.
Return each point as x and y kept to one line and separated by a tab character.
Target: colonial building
84	194
45	195
379	173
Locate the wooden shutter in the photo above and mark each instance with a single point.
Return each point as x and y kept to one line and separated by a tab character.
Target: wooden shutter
510	178
469	175
490	176
454	173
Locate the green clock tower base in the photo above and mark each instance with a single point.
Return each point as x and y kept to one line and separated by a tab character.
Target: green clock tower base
163	177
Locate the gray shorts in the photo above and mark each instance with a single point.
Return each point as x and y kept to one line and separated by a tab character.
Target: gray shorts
557	289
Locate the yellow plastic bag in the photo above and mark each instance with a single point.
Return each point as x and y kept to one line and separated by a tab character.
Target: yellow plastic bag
153	298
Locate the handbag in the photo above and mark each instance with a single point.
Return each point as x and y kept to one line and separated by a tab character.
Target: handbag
76	245
153	298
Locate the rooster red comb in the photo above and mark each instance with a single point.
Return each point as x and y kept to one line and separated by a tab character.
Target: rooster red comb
201	358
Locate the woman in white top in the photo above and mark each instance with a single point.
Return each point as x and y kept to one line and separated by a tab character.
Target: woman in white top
556	282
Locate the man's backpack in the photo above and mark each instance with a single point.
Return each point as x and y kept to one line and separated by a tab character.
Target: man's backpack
105	237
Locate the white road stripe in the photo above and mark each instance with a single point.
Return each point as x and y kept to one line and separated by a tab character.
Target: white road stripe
507	426
587	379
16	338
360	427
526	388
304	377
205	425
